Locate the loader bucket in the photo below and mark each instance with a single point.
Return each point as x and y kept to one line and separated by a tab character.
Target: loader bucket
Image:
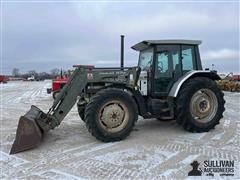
28	134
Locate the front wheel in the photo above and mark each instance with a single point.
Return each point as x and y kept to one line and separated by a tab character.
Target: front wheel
111	114
81	106
55	94
199	105
81	110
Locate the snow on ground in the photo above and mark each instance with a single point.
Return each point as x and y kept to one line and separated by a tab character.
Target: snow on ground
155	149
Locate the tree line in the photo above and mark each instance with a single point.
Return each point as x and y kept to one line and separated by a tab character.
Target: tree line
39	75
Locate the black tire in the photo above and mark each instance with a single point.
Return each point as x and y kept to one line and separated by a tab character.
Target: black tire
184	102
81	110
96	107
54	95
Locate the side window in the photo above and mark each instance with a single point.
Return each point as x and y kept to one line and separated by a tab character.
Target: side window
167	67
168	60
145	59
162	62
188	58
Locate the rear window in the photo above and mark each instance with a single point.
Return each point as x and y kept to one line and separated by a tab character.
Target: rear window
188	57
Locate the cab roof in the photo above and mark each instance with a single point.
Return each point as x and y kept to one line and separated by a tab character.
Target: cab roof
146	43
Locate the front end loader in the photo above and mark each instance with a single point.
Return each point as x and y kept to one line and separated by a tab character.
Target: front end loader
167	84
35	123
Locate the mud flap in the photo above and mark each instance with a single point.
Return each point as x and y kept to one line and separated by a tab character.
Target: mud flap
28	135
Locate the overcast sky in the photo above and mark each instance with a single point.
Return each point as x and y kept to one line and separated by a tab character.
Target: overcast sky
43	36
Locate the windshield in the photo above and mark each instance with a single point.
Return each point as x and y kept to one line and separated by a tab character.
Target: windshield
145	59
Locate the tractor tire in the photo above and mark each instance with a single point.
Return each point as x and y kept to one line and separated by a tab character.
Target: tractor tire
81	110
199	105
111	114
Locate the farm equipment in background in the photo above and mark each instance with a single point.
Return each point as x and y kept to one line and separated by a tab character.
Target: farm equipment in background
57	84
3	79
230	83
167	84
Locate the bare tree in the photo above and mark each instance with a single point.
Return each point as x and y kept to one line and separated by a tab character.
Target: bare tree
55	72
32	72
44	75
15	72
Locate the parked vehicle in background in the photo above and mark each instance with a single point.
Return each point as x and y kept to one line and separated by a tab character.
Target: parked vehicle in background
31	78
57	85
3	79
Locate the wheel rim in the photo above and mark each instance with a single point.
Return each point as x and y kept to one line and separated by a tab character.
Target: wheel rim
113	116
204	105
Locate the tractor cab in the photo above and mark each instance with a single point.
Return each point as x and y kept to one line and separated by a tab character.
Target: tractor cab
164	62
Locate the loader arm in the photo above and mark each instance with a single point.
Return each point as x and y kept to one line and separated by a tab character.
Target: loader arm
65	100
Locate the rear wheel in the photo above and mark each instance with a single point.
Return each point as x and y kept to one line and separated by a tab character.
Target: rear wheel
199	105
111	114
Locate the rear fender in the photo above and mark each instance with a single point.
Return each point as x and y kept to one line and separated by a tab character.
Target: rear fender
179	83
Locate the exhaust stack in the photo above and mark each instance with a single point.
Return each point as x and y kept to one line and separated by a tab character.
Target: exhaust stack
122	52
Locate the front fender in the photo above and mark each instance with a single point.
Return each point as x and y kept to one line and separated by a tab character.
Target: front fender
178	84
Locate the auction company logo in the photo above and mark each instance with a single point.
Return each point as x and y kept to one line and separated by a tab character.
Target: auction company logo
213	167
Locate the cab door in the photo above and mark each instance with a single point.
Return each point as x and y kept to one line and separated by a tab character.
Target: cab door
167	68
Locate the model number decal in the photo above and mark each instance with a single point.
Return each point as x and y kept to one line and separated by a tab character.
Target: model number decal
90	75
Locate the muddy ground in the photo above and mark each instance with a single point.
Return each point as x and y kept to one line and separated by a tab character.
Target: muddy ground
155	149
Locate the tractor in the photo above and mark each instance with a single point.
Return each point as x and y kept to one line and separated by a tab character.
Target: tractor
167	84
57	84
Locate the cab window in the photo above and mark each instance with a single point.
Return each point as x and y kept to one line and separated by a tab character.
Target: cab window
188	58
145	59
162	64
167	67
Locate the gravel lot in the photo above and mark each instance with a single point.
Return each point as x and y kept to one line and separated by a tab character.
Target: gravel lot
155	149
